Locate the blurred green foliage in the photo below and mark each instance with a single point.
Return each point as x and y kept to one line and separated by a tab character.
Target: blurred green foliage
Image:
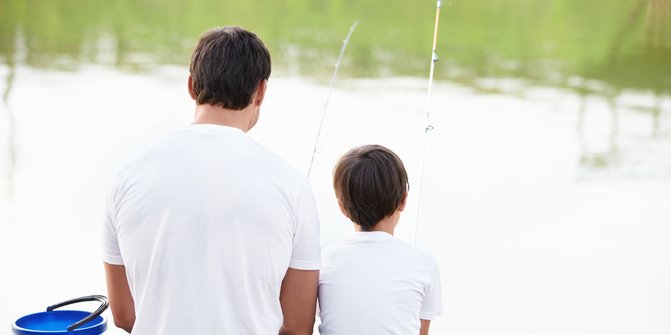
622	43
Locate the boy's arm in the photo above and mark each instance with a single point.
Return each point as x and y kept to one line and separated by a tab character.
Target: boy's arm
432	305
121	300
424	327
298	298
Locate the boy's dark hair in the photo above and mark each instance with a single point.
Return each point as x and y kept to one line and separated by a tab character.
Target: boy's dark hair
370	183
227	65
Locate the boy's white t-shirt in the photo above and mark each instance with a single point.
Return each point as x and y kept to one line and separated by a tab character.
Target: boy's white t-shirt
206	223
374	283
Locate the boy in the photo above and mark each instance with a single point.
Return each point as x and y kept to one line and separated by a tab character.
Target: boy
373	283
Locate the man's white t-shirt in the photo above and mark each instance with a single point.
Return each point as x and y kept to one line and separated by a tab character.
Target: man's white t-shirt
374	283
206	223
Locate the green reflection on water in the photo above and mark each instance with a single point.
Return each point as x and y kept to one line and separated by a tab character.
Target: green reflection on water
622	43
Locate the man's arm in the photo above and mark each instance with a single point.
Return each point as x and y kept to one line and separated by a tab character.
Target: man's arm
121	301
424	327
298	298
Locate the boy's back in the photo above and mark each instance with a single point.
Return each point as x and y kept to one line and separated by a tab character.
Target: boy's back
373	283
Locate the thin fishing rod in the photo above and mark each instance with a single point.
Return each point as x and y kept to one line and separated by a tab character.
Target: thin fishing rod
328	96
428	126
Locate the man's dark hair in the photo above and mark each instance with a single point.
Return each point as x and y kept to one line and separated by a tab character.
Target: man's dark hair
227	65
370	183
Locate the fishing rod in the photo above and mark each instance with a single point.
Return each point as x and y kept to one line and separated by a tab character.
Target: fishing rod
328	96
428	126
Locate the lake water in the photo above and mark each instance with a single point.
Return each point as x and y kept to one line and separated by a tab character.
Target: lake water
547	178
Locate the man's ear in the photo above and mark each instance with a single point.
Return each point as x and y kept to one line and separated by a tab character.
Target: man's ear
260	92
401	206
190	85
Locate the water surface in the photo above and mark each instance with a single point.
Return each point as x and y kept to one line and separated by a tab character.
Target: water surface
548	174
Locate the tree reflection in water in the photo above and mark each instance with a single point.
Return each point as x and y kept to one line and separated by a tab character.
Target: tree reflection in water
11	123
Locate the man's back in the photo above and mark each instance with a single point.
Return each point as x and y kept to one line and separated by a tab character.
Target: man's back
206	224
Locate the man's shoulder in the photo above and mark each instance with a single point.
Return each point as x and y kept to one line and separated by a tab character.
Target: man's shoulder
278	170
279	164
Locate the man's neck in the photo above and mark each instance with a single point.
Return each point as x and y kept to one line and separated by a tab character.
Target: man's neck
211	114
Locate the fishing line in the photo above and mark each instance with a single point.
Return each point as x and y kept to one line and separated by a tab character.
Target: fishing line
428	126
328	96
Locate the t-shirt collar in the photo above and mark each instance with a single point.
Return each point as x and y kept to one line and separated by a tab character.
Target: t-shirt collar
217	127
373	235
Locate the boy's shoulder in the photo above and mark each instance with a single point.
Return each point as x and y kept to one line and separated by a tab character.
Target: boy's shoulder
337	245
371	241
419	254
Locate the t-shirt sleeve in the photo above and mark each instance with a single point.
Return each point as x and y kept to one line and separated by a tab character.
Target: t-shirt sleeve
111	252
306	254
432	306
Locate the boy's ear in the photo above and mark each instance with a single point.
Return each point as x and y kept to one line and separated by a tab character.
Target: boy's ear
401	206
190	86
342	209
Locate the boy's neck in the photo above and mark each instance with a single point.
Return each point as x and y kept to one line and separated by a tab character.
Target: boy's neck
386	225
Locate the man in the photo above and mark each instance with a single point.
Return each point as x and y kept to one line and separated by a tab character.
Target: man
207	232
